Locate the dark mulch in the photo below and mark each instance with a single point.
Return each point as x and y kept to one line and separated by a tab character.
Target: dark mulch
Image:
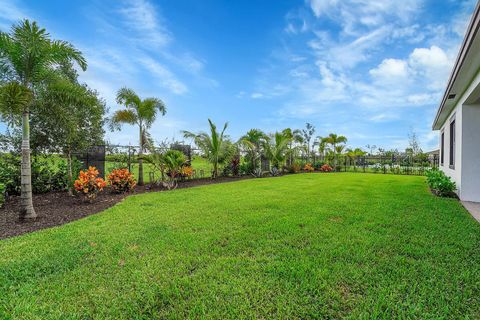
57	208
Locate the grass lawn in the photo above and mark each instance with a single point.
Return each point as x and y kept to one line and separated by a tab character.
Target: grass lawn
299	246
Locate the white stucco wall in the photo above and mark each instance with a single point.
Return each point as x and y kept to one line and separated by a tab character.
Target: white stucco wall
454	173
470	174
466	172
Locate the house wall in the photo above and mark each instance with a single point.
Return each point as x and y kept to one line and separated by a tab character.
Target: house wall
466	172
470	174
454	173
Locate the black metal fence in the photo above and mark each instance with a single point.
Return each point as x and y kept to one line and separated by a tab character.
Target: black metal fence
397	164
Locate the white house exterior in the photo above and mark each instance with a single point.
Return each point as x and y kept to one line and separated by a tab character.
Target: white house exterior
458	117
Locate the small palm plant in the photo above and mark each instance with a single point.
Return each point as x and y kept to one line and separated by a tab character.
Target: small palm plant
276	147
252	143
137	112
216	146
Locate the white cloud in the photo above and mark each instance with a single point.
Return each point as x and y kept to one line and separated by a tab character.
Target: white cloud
11	12
390	68
164	75
142	16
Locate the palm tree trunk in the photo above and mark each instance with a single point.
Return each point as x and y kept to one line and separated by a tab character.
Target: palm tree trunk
26	206
140	161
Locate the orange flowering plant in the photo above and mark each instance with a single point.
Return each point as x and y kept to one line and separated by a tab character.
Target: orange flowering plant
308	167
121	180
186	171
89	184
326	168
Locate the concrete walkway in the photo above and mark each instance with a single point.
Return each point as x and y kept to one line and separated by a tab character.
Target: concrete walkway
473	208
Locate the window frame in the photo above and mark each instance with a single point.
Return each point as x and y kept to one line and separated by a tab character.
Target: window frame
453	142
442	147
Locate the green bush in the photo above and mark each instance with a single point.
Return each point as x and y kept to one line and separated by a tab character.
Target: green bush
440	183
2	194
46	176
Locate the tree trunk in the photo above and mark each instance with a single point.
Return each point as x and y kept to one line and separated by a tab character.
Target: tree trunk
26	206
69	172
140	161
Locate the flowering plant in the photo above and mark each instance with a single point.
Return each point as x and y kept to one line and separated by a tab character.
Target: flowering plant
89	184
186	171
121	180
326	168
308	167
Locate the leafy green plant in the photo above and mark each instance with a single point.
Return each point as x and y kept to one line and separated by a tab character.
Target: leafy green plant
257	173
274	172
441	184
2	194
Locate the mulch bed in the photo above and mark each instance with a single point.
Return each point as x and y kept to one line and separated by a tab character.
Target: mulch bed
57	208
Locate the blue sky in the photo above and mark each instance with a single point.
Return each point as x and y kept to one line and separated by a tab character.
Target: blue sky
370	70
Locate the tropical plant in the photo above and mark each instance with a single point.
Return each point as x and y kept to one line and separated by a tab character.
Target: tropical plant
89	184
326	168
275	148
252	143
215	146
3	190
308	167
121	180
28	58
354	154
294	168
274	172
137	112
334	140
441	184
186	171
173	161
257	173
69	117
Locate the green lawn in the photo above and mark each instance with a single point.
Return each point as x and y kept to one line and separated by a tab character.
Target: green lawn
300	246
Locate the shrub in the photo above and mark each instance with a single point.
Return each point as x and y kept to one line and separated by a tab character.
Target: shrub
186	172
440	183
317	165
326	168
3	189
293	168
121	180
308	167
89	184
274	172
257	173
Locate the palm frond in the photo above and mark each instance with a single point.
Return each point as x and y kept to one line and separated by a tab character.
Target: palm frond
14	99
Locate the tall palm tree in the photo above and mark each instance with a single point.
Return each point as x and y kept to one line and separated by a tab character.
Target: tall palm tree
252	142
215	145
334	140
276	147
28	57
137	112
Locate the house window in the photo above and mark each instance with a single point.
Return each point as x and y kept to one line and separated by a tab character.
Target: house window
442	148
452	144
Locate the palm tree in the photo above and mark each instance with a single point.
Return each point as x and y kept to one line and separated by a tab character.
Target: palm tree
334	140
215	145
252	142
276	147
140	112
28	58
354	154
